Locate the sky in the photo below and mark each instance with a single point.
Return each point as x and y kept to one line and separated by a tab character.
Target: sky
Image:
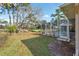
47	10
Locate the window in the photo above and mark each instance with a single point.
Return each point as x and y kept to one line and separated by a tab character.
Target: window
64	30
64	21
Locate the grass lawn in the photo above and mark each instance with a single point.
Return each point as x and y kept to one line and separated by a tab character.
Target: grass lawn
26	44
37	30
39	45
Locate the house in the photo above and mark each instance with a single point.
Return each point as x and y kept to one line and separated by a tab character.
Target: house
47	29
54	28
71	11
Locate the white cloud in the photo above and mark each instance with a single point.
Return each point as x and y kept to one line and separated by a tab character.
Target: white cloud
46	16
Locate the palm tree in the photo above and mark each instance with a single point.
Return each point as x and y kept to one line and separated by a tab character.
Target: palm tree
58	15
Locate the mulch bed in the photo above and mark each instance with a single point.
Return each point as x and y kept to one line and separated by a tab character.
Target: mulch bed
59	48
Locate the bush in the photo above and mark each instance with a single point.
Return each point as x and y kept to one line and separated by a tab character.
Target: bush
36	30
11	28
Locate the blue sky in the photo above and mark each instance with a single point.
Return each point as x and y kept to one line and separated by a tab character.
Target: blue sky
47	10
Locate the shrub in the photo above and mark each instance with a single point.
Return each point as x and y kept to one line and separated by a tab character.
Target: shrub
36	30
11	28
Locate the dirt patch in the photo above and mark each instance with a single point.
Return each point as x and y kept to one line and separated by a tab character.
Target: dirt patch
3	38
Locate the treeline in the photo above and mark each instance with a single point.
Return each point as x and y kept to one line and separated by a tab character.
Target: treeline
21	15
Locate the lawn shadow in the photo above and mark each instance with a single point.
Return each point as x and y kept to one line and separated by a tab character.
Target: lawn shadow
36	33
39	45
3	38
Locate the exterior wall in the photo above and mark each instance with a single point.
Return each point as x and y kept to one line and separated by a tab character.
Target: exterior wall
55	31
70	15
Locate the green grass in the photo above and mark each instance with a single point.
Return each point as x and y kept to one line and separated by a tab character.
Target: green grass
39	46
36	30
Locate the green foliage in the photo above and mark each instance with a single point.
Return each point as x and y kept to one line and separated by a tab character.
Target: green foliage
11	28
36	30
25	4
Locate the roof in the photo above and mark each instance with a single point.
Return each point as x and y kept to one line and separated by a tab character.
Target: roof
65	4
68	10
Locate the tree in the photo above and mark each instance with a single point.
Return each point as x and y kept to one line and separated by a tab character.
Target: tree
22	13
30	15
8	7
13	12
43	22
13	8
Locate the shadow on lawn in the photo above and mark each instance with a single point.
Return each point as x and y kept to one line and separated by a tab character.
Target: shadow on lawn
39	45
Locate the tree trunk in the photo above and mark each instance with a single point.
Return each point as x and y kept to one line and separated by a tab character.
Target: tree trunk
17	19
9	17
13	17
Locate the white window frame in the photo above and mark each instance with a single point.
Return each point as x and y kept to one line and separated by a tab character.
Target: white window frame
64	38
